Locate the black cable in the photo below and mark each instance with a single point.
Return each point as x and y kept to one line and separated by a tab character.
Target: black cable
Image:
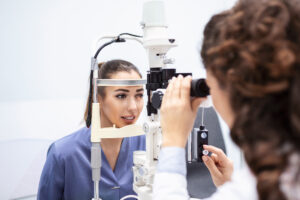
104	45
130	34
118	39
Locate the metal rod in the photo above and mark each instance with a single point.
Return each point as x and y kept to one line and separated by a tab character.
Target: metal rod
96	190
120	82
202	116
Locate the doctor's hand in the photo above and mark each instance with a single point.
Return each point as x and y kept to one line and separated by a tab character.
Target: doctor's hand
219	166
178	112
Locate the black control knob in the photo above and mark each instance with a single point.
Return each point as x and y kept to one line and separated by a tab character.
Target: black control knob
202	140
157	99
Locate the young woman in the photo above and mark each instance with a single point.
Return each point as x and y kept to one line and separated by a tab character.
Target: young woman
67	172
251	54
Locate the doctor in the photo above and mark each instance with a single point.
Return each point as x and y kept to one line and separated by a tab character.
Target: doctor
67	173
251	53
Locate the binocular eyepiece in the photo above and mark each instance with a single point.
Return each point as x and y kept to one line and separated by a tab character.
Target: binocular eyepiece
199	88
158	79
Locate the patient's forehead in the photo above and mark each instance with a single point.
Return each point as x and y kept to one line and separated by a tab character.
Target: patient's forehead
125	75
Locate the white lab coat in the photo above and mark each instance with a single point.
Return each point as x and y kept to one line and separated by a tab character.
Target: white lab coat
173	186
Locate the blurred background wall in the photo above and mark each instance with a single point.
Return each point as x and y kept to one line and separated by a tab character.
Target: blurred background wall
45	50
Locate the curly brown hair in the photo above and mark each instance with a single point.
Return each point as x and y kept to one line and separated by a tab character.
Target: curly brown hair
253	51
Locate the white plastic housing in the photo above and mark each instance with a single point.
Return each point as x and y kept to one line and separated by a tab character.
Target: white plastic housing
155	39
154	13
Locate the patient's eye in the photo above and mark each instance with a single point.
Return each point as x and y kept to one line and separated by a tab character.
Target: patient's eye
121	96
139	95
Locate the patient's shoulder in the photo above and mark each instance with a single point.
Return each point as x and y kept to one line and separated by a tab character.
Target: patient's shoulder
71	144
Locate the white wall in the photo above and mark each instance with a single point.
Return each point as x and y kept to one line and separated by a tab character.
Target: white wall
46	48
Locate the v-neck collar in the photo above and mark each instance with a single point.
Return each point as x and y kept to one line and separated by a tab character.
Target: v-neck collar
121	160
122	164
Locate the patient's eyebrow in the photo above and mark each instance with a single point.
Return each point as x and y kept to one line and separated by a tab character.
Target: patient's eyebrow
121	90
140	90
124	90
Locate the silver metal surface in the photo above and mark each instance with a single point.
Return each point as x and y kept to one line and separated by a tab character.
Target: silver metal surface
95	100
96	190
203	135
205	152
202	116
94	64
189	148
119	82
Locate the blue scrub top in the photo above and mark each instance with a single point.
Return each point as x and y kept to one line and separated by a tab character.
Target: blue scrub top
67	172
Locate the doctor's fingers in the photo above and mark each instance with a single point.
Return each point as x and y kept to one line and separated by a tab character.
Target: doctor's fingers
186	88
168	93
177	87
196	103
214	157
219	152
217	159
174	92
211	166
169	89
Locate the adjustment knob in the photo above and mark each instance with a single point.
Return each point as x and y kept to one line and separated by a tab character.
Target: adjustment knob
169	61
157	99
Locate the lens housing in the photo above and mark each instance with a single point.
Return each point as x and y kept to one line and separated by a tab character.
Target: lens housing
199	88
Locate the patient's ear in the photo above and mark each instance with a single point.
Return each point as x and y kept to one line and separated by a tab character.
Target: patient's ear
100	99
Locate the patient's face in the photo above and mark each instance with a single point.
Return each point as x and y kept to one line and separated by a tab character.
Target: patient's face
220	98
121	105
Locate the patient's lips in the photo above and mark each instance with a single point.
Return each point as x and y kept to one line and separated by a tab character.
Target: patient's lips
128	119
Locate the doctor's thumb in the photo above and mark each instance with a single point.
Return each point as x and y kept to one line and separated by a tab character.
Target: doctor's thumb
196	103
